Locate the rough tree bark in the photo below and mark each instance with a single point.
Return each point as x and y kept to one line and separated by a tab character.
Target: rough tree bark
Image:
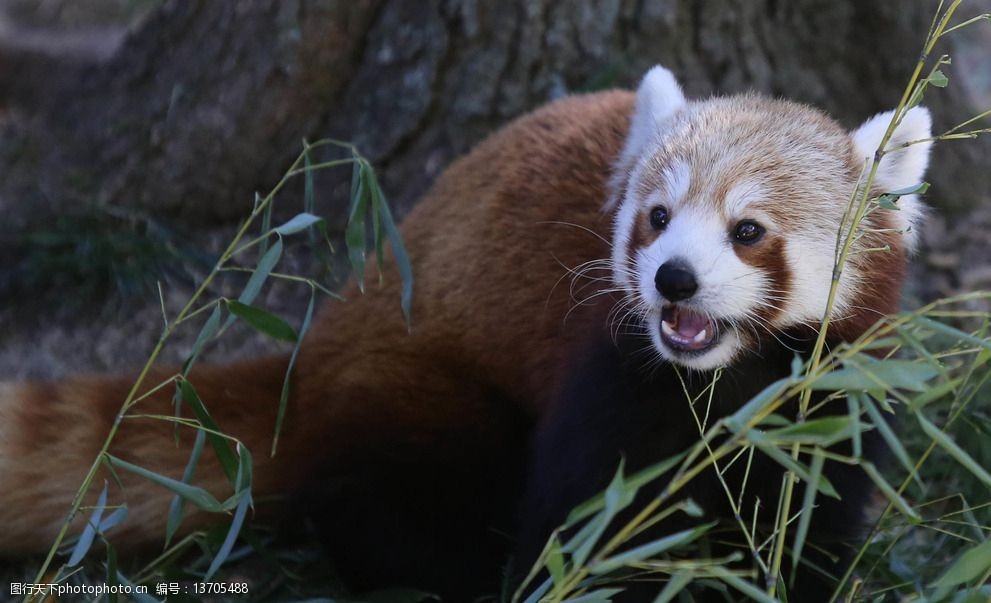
206	102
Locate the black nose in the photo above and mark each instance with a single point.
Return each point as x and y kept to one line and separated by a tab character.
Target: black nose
675	282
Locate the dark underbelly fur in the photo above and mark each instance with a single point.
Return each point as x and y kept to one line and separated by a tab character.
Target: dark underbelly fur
613	406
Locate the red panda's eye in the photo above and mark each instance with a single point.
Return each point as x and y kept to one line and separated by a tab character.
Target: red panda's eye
748	232
659	217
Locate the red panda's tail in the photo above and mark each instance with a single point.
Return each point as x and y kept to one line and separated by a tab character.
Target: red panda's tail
51	433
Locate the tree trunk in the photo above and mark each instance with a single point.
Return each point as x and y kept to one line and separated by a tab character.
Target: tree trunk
198	108
206	102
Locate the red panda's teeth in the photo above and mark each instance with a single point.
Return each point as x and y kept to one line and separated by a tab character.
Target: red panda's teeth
668	330
675	320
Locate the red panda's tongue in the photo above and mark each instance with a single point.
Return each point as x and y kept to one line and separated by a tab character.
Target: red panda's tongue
685	328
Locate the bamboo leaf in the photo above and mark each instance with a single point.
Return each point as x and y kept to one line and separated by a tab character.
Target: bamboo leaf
738	420
261	273
355	175
177	506
870	376
240	511
959	454
378	200
934	393
555	561
399	253
679	580
618	496
263	321
354	232
767	447
886	202
952	332
890	438
119	514
971	565
245	474
299	222
853	411
899	503
825	431
209	329
651	549
938	79
741	585
635	481
882	343
284	395
808	504
198	496
221	445
258	277
796	366
915	189
540	591
89	530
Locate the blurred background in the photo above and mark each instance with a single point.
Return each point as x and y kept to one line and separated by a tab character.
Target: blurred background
134	134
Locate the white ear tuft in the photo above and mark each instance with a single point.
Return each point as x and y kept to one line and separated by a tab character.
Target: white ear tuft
904	167
658	98
660	94
900	168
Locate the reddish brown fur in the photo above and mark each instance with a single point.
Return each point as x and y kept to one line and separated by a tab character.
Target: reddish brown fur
499	228
769	257
880	293
363	387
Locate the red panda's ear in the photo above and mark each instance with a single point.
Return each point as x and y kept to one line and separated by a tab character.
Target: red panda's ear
902	166
658	98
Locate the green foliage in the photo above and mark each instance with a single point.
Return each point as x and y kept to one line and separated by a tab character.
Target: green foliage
926	545
96	254
929	543
953	528
218	546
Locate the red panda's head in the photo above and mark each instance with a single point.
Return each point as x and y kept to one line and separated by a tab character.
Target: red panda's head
727	213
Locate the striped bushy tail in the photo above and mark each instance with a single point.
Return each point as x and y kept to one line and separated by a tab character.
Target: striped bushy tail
52	433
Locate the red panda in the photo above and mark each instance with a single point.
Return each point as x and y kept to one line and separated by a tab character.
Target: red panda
714	220
724	237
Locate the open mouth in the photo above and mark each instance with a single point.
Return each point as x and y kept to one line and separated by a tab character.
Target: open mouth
687	330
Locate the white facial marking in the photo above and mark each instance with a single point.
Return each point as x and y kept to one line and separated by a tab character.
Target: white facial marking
742	195
727	287
676	180
810	262
802	166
